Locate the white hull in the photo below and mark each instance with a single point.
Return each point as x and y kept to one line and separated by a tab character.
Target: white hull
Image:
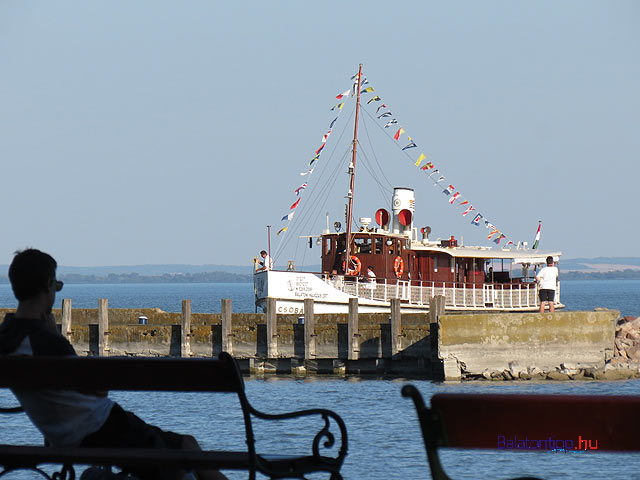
332	296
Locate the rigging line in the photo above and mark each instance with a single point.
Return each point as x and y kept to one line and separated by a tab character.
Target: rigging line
280	244
315	194
435	182
310	208
369	168
366	130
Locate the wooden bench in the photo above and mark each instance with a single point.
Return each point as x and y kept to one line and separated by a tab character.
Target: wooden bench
526	423
162	374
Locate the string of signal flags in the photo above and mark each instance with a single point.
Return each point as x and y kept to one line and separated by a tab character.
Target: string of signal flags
387	119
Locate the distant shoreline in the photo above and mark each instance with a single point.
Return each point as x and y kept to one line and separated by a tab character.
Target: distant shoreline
226	277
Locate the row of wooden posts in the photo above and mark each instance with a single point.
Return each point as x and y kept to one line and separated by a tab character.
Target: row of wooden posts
436	309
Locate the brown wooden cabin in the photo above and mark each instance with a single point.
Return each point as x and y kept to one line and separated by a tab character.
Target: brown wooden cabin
381	249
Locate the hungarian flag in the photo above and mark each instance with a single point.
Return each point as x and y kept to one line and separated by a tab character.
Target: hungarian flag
537	240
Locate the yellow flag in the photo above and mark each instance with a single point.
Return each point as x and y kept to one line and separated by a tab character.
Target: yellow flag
420	158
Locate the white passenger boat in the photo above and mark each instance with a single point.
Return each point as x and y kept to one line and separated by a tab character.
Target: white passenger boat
408	265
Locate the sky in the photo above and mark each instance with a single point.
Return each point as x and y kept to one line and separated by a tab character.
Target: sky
175	132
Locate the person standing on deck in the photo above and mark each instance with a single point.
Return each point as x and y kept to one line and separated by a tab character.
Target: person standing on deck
267	263
547	279
371	275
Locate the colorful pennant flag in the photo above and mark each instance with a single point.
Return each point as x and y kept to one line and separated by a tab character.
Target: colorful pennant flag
295	204
470	209
420	158
326	136
464	202
288	216
301	187
427	166
332	123
385	114
500	237
398	133
367	90
344	94
454	197
314	159
319	149
390	122
442	177
307	172
381	106
338	106
284	229
476	220
411	145
374	99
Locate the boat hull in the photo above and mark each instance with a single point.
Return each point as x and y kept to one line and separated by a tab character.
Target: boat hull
331	295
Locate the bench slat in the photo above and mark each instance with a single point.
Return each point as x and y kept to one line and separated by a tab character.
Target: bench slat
99	373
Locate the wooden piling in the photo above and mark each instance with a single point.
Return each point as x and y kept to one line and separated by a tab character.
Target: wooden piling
66	318
225	320
272	328
352	331
436	308
185	323
396	327
309	330
103	327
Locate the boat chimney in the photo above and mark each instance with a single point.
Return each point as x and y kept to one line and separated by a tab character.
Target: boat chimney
403	203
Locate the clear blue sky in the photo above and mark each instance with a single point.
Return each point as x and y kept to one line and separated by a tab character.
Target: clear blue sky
174	132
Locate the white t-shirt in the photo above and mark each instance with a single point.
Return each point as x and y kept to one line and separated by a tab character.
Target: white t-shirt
268	263
64	417
548	278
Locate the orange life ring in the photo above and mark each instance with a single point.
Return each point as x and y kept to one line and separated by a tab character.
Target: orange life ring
398	266
352	272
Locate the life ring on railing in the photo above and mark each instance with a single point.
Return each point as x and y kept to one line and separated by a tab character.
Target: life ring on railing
352	272
398	266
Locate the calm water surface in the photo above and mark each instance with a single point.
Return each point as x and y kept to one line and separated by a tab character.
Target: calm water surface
384	437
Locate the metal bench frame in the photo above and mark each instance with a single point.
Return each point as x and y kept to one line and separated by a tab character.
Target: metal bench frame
161	374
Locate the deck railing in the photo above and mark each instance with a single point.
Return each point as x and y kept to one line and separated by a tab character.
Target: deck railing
498	296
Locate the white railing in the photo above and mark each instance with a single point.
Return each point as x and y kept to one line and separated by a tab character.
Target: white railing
493	296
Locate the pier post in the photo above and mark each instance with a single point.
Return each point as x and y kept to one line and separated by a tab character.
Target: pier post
225	319
103	327
272	328
436	308
352	331
396	327
66	318
309	330
185	322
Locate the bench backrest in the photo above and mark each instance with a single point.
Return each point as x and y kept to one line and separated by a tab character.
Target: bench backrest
575	422
102	373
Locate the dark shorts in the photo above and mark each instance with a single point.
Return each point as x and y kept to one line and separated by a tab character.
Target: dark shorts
547	295
125	430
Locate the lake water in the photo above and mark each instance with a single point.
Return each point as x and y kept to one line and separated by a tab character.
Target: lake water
384	436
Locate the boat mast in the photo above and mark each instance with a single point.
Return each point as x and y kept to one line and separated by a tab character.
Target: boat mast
352	169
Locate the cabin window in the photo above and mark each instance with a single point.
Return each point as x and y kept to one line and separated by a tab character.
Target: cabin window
341	245
435	264
378	245
327	246
363	245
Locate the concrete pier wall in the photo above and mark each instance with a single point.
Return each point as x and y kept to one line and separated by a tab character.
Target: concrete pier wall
519	343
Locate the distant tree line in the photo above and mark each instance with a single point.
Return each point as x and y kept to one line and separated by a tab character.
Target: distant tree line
203	277
628	274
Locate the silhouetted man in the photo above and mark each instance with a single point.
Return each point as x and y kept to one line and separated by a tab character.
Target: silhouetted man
71	418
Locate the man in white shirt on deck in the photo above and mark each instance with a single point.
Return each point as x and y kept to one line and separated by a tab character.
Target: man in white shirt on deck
267	263
547	280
